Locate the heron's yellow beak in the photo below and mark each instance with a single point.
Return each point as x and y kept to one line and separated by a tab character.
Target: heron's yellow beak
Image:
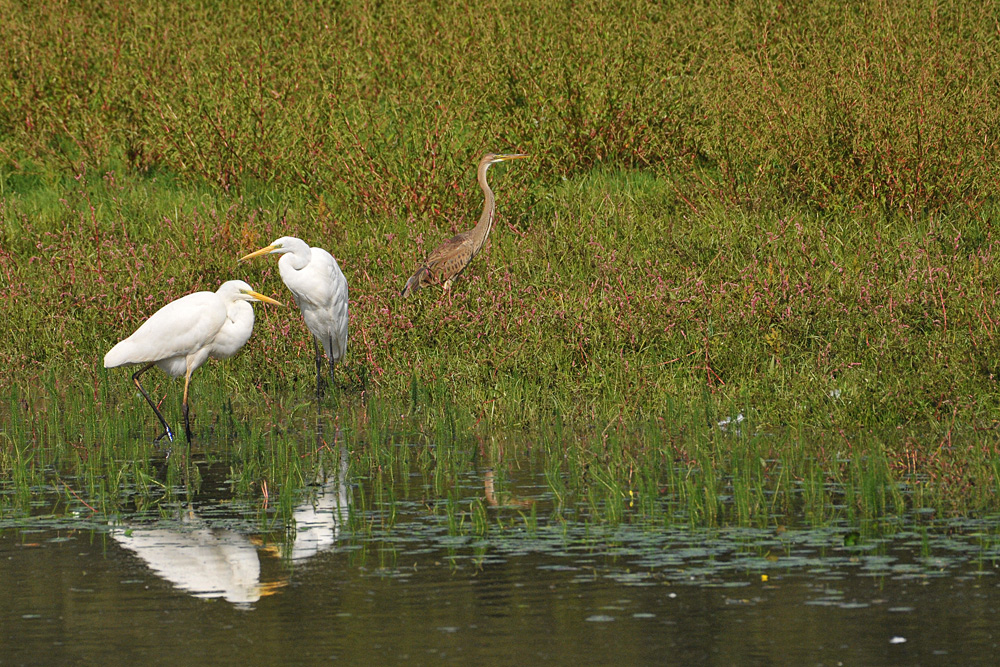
258	253
265	299
512	156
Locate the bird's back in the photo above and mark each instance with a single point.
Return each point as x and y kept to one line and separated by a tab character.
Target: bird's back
181	326
452	255
320	291
444	263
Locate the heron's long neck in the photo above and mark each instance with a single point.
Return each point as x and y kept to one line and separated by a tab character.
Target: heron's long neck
482	229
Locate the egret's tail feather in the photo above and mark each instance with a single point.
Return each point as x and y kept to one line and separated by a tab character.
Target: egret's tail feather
117	356
413	284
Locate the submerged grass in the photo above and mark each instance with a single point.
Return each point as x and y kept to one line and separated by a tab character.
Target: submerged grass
479	481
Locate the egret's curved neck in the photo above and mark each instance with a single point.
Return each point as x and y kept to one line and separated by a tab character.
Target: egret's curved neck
240	311
482	229
298	255
235	332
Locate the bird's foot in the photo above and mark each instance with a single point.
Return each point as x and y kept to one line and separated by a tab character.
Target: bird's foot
168	433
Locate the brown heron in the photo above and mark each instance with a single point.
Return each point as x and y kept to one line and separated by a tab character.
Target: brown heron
451	257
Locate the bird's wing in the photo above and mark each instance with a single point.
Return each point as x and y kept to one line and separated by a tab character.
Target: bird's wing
446	250
309	285
178	329
334	307
320	291
339	311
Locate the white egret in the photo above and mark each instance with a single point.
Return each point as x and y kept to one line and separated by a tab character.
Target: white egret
320	290
182	335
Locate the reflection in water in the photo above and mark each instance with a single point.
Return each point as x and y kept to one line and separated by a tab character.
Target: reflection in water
211	562
507	500
318	521
414	585
206	562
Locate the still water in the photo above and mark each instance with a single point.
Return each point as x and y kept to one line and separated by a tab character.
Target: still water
359	577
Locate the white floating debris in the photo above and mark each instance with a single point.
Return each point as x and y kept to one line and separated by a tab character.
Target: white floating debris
731	420
731	424
898	640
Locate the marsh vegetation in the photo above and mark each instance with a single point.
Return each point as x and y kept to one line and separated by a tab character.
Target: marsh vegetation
747	275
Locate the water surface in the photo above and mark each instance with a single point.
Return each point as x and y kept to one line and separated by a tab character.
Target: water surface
405	575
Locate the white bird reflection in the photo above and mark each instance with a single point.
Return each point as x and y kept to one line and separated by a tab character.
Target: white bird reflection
318	520
206	562
210	562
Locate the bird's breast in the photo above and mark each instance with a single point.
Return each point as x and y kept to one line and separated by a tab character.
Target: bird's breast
234	333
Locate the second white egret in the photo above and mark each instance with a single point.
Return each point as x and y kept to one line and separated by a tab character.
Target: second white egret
320	290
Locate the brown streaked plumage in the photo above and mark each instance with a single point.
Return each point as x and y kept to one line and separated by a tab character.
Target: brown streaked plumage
451	257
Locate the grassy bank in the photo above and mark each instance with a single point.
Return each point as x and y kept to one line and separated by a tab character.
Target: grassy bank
784	213
604	301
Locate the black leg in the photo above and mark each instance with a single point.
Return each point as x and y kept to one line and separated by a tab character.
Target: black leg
184	407
187	422
166	429
319	427
319	368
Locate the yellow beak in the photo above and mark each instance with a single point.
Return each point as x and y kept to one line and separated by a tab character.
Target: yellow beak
258	253
265	299
511	156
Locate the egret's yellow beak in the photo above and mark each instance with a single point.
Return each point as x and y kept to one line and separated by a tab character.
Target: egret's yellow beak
271	587
258	253
265	299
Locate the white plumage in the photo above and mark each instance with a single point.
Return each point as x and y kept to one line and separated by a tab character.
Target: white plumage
182	335
320	290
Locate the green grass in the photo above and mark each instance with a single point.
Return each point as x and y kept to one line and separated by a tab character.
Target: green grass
604	307
677	469
756	209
